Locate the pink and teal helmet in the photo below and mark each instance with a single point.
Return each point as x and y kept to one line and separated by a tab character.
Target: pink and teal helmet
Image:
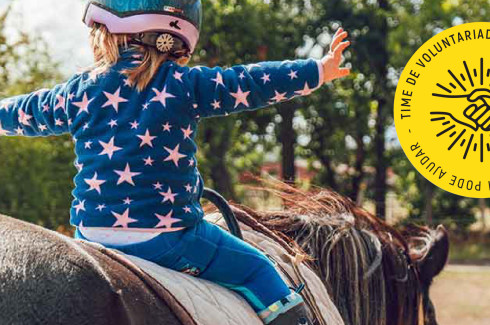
181	18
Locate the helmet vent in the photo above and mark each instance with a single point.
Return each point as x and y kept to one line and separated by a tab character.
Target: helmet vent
165	42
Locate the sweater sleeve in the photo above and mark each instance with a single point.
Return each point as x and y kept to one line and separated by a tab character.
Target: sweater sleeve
218	91
40	113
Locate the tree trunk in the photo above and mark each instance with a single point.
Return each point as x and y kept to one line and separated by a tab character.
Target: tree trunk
429	197
383	111
287	137
359	172
483	206
219	141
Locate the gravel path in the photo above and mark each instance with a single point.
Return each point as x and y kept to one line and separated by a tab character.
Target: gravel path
462	295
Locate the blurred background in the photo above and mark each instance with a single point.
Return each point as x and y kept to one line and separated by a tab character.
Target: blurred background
342	137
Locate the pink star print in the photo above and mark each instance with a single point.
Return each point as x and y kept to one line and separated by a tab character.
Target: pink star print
3	132
123	219
148	161
127	201
78	166
19	131
241	97
166	221
187	210
216	104
100	207
166	127
109	148
134	125
58	122
146	139
94	183
218	80
293	74
178	76
83	105
24	117
112	123
157	186
187	132
188	188
6	105
114	99
161	96
42	127
266	78
305	92
61	102
126	175
175	155
168	196
80	206
88	145
279	97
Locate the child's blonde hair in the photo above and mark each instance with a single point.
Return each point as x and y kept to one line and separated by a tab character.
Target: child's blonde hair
106	45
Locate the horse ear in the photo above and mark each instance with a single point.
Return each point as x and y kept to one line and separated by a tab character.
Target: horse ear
437	256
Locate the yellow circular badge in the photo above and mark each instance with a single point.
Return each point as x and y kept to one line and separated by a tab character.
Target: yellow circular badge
442	110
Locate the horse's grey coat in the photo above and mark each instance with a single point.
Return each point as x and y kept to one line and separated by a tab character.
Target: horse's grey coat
47	278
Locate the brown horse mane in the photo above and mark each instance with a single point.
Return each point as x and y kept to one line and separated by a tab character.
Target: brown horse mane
368	266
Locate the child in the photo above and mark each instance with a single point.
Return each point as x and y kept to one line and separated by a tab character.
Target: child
133	118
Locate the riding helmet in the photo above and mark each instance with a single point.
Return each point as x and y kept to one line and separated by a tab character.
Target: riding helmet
167	25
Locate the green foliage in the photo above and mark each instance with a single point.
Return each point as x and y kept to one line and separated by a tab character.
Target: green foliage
36	179
35	173
337	124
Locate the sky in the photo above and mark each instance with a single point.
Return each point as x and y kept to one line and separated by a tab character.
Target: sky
59	22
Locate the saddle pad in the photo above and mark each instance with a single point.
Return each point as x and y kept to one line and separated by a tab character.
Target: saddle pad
212	304
206	302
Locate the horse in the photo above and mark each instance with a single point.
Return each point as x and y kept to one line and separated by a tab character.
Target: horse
374	273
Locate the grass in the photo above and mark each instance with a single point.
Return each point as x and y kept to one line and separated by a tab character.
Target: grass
474	250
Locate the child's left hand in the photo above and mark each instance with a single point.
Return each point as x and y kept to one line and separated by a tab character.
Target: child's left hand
331	62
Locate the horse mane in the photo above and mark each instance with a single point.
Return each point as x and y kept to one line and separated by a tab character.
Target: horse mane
368	266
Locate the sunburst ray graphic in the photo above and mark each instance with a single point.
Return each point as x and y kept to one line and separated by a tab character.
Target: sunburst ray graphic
469	127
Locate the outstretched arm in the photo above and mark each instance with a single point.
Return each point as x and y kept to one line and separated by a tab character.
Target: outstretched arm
40	113
241	88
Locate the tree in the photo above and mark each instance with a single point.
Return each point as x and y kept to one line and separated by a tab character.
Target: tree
263	32
35	173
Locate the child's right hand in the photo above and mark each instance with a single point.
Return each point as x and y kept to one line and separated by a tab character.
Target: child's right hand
331	62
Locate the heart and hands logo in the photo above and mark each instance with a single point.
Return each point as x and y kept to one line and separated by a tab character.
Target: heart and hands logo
469	109
442	110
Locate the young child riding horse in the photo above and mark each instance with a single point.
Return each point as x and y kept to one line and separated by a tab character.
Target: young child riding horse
133	118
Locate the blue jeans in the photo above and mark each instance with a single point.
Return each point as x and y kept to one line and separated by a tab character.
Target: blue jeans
211	253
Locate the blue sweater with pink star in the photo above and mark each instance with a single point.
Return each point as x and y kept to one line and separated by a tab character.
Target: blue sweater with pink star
136	150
